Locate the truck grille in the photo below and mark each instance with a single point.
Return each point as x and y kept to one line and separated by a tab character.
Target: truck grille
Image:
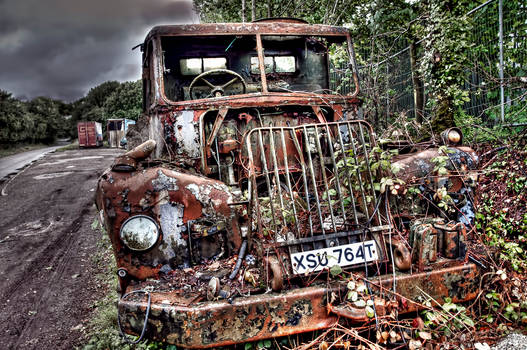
312	186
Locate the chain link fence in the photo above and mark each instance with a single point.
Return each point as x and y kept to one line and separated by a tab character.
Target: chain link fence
489	73
390	92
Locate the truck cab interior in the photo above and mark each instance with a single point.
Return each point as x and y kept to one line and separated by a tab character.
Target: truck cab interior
222	65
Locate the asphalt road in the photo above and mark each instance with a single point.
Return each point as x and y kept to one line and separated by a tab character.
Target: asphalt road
47	289
10	164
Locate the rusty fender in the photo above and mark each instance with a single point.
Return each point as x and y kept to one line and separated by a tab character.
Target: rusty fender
218	323
420	165
172	199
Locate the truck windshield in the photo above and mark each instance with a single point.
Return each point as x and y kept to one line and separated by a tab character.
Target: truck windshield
211	66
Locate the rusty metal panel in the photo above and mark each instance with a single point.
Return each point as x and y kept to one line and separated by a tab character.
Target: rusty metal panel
263	28
195	324
173	199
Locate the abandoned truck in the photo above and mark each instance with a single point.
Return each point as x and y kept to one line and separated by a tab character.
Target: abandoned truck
257	202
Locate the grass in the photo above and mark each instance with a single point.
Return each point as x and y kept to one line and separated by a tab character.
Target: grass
10	150
102	330
75	146
71	147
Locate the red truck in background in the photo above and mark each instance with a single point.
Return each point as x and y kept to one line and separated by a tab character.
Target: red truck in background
90	134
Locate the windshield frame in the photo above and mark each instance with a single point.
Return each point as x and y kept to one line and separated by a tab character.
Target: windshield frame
157	69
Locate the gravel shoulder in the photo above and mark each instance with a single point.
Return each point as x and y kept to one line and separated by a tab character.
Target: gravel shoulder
46	243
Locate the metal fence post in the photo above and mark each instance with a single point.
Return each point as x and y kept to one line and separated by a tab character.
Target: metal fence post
502	97
387	96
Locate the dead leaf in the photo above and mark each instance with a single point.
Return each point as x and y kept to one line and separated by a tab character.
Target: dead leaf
425	335
418	323
414	344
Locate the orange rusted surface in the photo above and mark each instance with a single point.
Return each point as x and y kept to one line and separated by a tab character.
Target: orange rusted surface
147	192
206	324
263	28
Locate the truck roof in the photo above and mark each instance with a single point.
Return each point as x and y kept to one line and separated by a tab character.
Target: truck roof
265	27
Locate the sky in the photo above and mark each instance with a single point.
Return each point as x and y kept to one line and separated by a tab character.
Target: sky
62	48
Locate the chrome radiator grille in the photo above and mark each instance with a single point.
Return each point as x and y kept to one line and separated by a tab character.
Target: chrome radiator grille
312	186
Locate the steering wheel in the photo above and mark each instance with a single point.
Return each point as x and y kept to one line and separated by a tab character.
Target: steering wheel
216	90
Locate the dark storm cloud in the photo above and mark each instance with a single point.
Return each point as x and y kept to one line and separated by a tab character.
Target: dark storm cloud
62	48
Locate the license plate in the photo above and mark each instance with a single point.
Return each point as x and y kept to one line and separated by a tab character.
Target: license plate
343	255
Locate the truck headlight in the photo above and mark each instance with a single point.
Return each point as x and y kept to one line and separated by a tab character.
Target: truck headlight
452	136
139	233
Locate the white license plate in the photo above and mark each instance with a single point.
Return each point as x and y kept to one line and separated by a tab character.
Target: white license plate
342	255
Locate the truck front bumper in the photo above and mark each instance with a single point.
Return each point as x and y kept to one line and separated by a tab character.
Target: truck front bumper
187	323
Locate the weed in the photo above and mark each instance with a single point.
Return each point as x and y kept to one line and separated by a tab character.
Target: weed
450	318
71	147
103	330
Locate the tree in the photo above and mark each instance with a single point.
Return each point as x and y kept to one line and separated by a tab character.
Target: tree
444	59
125	101
437	30
47	119
313	11
98	95
91	107
38	120
15	124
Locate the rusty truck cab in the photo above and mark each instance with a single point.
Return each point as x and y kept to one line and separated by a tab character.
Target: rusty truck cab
255	180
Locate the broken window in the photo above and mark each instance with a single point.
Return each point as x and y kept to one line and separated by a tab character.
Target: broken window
229	64
195	66
284	64
274	64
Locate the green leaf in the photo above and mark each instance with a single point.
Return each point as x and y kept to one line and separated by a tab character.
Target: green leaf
449	307
370	312
351	285
335	270
95	224
395	168
469	322
267	343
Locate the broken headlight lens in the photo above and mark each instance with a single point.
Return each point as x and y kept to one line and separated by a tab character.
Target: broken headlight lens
452	136
139	233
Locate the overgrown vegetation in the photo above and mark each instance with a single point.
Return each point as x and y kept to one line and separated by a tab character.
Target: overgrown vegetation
103	332
432	61
502	214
